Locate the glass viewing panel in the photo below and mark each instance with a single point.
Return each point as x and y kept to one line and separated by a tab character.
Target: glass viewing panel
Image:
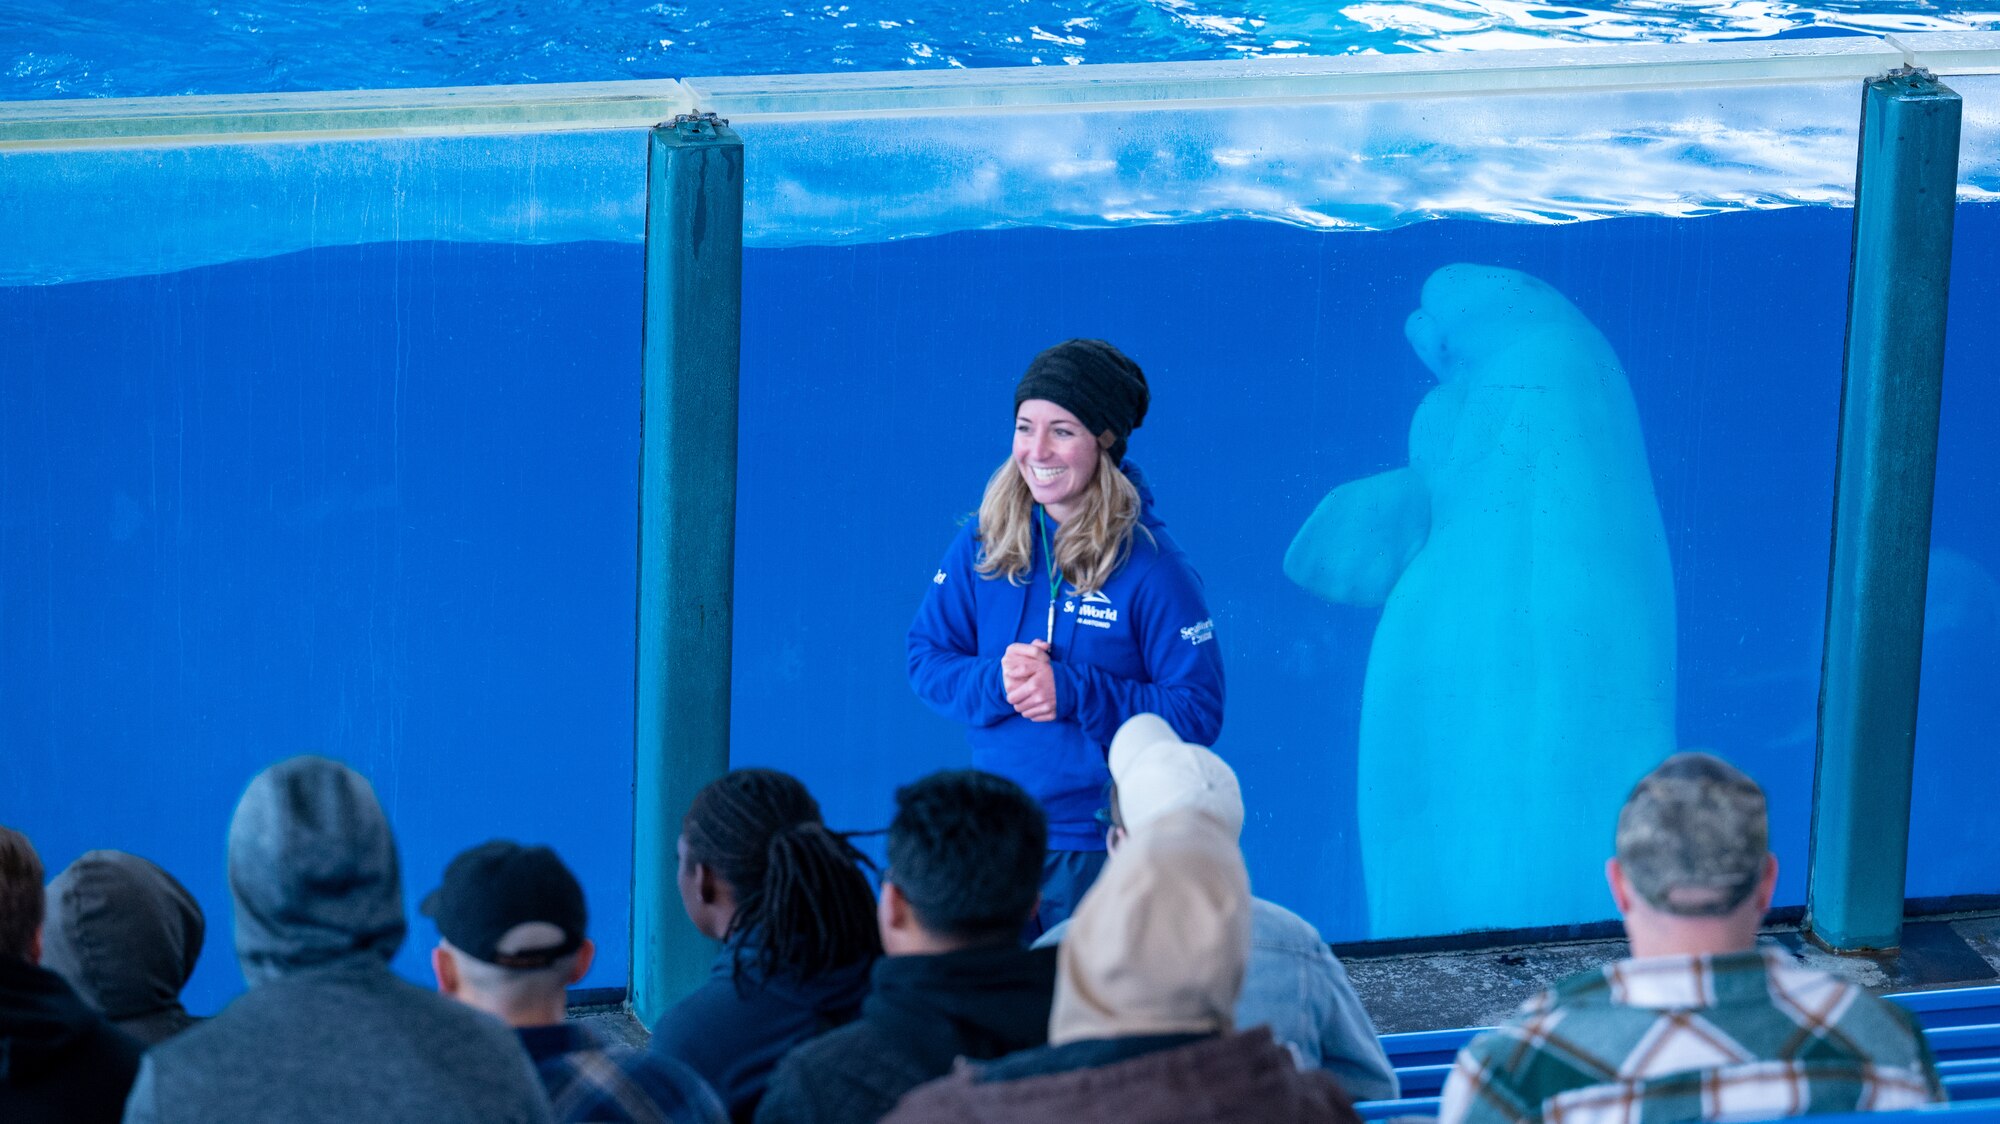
1958	709
325	447
330	445
1616	532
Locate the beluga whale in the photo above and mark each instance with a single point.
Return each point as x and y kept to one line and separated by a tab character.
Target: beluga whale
1521	677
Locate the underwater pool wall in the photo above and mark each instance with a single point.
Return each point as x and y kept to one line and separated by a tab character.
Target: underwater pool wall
321	427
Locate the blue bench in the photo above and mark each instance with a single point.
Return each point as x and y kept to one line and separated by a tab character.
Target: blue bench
1962	1026
1956	1112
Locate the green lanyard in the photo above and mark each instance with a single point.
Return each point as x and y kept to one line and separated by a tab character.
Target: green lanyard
1055	572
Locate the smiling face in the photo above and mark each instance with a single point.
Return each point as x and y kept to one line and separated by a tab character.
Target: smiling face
1055	454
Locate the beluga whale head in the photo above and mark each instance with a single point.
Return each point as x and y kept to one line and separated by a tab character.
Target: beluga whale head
1471	314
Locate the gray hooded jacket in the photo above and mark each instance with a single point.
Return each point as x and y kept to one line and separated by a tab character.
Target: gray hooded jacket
326	1032
126	936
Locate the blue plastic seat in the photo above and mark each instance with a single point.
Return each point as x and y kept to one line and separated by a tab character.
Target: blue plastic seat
1962	1026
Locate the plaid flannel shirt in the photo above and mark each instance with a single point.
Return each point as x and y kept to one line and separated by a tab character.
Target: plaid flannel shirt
1745	1036
589	1079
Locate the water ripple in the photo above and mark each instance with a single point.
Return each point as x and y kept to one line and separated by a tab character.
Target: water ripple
64	49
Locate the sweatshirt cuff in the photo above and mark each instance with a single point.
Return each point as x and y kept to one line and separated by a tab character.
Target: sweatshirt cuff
996	689
1069	685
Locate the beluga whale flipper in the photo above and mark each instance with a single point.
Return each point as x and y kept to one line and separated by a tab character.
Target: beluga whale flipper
1521	677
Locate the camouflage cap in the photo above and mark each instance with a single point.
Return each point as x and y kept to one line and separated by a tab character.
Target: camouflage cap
1693	835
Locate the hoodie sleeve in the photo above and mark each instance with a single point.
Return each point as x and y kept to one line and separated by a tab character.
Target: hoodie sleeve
1183	681
946	669
140	1106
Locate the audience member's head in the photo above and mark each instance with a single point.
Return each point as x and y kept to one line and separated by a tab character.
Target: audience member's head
758	864
965	863
60	1060
512	924
126	935
1694	872
1154	772
313	870
21	901
1160	943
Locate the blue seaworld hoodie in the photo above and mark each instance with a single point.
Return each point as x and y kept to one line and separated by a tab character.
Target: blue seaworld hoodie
1143	644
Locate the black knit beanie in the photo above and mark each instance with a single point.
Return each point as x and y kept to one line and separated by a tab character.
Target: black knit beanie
1094	381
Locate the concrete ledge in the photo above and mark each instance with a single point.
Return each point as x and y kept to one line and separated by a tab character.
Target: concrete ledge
467	110
1951	52
1440	990
1294	80
641	104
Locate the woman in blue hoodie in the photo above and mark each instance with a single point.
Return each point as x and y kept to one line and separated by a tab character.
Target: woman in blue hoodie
1064	608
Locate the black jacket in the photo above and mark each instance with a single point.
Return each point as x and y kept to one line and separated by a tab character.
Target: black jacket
59	1060
922	1014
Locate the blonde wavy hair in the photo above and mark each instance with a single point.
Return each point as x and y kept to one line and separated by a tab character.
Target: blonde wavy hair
1089	548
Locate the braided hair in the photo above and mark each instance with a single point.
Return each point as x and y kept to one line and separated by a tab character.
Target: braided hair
801	898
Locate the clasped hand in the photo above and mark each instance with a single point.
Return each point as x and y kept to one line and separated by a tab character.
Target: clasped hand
1031	681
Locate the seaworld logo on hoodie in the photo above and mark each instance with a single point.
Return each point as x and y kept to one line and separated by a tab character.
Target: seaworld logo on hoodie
1096	611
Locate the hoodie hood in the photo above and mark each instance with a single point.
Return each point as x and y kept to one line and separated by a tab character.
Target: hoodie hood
126	936
41	1020
996	1000
1148	517
1162	940
839	988
313	871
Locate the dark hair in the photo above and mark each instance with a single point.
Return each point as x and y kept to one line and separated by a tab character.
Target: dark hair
801	898
21	900
966	852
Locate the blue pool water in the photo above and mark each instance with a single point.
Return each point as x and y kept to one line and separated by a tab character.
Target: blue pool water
379	502
332	446
59	49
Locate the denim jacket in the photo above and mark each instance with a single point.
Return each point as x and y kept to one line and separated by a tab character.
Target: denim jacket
1297	987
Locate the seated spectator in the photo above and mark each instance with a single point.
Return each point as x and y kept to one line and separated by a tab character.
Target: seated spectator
60	1061
326	1032
1699	1024
1146	987
1294	983
760	872
512	920
126	936
965	872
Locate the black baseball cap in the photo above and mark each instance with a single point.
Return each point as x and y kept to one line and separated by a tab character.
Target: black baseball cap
509	905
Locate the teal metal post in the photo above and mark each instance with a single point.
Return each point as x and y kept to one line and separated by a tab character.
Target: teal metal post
1905	189
687	528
